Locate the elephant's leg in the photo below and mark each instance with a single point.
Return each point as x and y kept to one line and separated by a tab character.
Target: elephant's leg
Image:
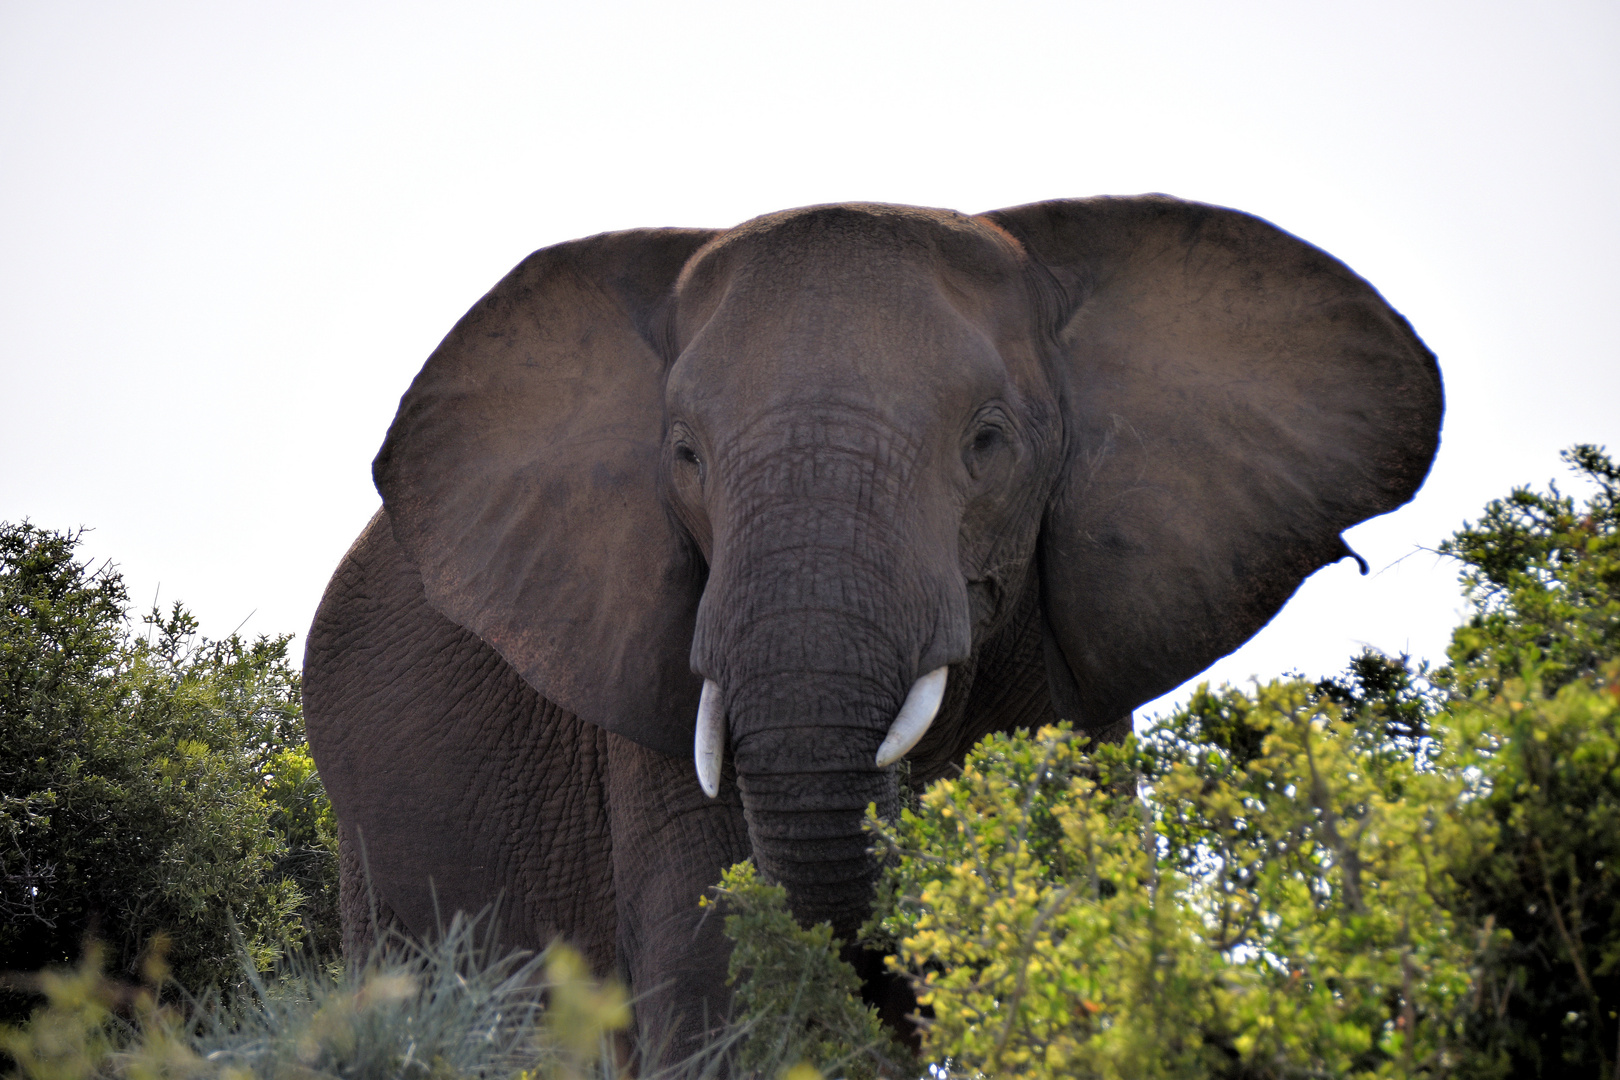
463	787
670	843
366	917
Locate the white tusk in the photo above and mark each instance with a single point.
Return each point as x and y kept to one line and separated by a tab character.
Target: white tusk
919	710
709	745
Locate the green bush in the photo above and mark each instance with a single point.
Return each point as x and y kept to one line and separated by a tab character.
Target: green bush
800	1001
1533	689
1283	915
1543	578
1548	798
151	783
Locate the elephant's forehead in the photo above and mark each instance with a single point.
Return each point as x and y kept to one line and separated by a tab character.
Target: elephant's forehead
846	278
898	309
847	243
895	348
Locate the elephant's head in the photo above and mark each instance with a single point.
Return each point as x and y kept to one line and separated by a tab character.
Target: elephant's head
805	469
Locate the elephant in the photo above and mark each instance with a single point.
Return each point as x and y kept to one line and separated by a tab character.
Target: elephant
694	544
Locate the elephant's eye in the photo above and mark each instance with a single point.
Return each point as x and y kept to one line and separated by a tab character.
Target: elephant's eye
986	441
688	456
984	448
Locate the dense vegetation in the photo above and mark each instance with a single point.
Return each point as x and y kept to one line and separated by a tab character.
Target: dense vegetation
154	784
1401	871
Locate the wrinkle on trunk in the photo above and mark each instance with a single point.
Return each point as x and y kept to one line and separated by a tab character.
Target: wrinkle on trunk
806	773
821	856
805	726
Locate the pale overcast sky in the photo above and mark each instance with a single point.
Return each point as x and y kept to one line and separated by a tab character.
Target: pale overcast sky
230	233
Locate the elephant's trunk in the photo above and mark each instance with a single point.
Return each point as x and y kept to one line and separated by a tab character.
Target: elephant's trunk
825	604
806	782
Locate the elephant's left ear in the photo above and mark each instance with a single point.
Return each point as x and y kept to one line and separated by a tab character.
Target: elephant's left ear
521	478
1234	399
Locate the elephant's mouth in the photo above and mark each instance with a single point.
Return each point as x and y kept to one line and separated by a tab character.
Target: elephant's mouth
985	597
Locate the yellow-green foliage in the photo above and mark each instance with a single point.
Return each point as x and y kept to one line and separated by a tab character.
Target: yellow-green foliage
800	1000
1277	916
1316	900
581	1017
71	1037
301	815
1531	688
92	1027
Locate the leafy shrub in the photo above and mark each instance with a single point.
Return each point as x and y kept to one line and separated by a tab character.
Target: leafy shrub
800	1000
1283	915
1543	578
1549	799
150	783
1534	692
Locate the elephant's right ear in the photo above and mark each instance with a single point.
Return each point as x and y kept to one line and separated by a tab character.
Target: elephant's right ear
521	477
1233	400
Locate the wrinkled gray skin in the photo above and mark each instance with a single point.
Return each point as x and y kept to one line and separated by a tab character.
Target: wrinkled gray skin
1076	451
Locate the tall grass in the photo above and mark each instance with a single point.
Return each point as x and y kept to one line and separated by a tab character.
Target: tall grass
457	1007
